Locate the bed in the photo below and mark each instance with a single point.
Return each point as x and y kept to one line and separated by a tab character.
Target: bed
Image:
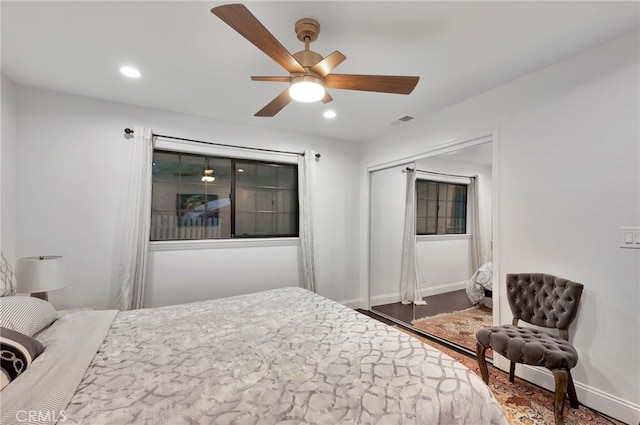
481	283
285	356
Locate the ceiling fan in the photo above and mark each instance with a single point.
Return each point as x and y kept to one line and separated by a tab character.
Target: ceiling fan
309	73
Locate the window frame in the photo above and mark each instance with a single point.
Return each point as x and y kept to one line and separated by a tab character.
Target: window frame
440	183
270	239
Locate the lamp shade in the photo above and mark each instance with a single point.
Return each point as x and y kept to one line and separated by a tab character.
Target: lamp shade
39	274
306	88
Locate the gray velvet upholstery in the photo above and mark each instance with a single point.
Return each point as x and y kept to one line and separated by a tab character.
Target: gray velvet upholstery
545	301
529	346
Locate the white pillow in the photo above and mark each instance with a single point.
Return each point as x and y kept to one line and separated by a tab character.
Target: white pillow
26	315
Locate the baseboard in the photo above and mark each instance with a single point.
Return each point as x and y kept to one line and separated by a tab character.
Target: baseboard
615	407
354	304
386	299
426	291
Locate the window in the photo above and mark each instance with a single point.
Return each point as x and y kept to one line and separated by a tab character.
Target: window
441	208
240	199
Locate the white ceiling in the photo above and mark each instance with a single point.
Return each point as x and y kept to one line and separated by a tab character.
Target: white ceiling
195	64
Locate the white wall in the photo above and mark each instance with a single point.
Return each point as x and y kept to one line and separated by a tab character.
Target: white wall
8	142
568	176
72	164
219	272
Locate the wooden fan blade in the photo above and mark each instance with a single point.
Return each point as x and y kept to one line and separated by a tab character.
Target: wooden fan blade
238	17
275	105
327	97
328	64
376	83
271	79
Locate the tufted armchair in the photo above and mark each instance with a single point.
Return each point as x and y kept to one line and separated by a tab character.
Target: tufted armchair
546	301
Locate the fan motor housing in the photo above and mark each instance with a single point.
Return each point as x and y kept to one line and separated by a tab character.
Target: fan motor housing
307	58
307	28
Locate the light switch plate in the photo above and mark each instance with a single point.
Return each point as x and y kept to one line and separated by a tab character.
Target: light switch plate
630	237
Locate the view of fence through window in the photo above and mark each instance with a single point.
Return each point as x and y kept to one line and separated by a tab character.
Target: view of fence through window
204	197
441	208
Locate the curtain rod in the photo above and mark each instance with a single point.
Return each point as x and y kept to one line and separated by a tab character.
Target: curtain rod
442	174
129	131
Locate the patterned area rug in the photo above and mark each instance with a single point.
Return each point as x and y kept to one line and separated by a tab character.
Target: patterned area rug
459	327
524	403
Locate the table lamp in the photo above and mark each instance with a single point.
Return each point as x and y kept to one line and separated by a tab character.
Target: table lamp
37	275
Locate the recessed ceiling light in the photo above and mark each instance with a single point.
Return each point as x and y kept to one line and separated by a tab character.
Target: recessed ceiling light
130	72
330	114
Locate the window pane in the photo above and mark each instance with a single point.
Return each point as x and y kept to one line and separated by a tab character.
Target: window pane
431	226
422	209
221	171
445	208
432	209
274	190
265	224
191	168
165	167
442	226
164	197
451	191
266	200
245	224
448	209
245	199
185	207
287	224
432	191
442	193
421	187
287	178
266	176
421	226
287	201
245	174
460	209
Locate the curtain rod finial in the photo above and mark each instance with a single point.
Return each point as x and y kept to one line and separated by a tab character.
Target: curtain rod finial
128	130
318	156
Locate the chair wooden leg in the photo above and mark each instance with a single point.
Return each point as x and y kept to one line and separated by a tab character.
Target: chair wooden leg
482	362
512	372
562	380
571	389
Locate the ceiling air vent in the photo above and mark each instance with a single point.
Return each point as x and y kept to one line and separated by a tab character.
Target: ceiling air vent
402	120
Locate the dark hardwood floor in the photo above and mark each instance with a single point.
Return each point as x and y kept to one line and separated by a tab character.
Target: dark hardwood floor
436	304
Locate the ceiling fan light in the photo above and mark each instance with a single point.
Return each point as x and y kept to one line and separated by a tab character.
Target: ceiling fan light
207	175
306	88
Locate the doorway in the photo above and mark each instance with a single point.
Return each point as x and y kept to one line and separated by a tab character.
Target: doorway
455	281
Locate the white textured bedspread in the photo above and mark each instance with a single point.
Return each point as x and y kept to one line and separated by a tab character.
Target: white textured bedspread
482	279
286	356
